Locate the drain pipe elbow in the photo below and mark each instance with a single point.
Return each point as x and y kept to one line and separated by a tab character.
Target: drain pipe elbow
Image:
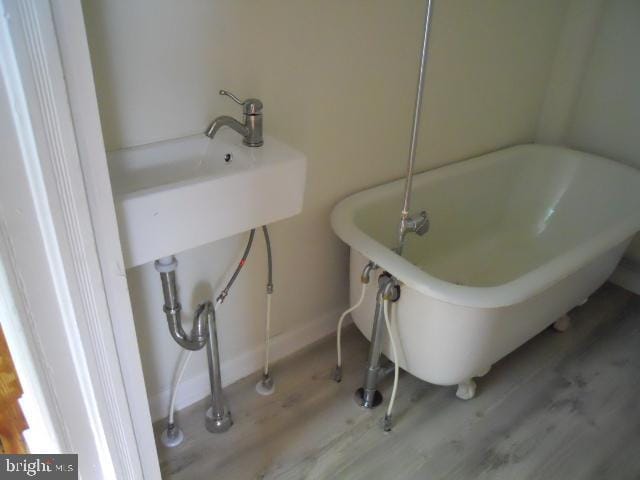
199	332
166	267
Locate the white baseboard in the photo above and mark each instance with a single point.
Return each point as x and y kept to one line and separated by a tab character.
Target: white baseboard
627	276
197	388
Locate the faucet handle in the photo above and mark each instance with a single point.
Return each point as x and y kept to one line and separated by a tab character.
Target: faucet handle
232	96
250	106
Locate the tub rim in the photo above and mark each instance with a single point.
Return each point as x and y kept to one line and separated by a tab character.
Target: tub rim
510	293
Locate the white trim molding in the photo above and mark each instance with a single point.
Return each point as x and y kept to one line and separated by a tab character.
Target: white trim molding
46	215
76	62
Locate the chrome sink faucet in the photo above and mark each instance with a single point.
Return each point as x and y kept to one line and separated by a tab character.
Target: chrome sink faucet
251	129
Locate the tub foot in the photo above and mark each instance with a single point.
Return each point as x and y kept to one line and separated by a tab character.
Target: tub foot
562	324
466	390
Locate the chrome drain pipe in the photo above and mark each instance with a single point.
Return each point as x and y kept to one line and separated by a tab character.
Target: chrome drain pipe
167	268
218	417
368	395
204	332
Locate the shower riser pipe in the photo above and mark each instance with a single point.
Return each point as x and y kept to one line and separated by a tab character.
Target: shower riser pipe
408	224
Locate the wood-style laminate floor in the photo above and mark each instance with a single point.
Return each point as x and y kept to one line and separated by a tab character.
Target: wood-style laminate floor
563	406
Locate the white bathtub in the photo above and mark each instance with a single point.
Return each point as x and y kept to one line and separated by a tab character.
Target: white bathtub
518	237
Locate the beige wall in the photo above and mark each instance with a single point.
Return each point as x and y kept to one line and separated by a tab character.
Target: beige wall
338	79
597	95
606	117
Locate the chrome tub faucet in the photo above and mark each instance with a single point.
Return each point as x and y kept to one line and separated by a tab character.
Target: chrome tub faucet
251	129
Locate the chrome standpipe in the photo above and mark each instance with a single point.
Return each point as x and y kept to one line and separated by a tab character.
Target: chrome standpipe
405	219
218	417
368	395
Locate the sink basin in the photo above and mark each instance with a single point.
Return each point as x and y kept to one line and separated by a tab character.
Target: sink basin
178	194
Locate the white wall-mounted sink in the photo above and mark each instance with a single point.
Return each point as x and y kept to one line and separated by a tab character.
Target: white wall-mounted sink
178	194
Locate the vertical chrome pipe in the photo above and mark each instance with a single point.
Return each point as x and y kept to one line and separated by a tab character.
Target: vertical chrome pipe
218	418
368	395
168	280
404	214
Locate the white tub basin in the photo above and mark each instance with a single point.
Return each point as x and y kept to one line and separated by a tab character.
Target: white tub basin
518	238
178	194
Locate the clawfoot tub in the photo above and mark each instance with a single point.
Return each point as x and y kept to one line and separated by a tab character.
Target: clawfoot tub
518	237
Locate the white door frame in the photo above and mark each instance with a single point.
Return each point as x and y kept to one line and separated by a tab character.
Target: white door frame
60	248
